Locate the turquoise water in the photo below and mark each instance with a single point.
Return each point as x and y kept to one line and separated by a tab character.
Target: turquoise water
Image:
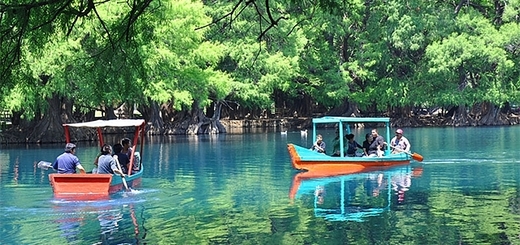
241	189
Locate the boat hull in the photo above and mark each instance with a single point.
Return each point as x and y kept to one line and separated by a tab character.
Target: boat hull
91	186
324	165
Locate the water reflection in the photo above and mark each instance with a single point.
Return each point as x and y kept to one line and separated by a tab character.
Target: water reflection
117	219
356	196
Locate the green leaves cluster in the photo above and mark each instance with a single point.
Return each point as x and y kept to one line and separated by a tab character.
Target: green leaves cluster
378	54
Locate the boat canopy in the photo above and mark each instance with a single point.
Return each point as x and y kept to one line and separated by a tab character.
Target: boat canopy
351	119
108	123
139	125
340	121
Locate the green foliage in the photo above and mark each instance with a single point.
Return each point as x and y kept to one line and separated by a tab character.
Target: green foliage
379	55
474	61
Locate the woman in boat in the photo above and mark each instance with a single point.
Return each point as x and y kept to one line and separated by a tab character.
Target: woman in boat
67	162
352	146
126	147
106	163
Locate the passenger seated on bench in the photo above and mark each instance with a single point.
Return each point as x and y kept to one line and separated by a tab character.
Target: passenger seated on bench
336	145
352	146
319	145
377	147
366	144
106	163
122	157
126	147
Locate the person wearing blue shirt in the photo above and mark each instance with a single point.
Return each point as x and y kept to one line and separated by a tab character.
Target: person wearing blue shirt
67	162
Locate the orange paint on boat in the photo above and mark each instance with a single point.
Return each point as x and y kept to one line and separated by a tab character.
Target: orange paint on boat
338	165
91	184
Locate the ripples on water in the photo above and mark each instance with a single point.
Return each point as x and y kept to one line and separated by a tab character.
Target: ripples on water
236	189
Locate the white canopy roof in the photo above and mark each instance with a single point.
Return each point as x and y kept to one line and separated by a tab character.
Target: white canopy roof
108	123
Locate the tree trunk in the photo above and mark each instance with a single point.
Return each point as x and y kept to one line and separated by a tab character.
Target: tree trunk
196	119
109	112
216	126
458	116
489	114
153	116
346	109
47	129
199	123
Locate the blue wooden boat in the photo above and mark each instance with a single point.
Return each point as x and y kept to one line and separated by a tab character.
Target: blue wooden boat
101	185
303	158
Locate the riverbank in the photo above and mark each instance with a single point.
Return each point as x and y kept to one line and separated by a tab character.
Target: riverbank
295	123
20	136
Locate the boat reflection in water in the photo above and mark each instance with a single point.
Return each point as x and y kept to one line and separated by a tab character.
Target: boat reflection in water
117	218
355	196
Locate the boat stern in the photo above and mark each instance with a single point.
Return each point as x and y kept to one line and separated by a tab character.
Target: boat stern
80	184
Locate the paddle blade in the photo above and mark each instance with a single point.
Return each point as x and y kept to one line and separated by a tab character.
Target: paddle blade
44	165
124	182
417	157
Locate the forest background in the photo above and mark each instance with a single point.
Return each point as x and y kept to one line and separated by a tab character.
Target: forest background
186	66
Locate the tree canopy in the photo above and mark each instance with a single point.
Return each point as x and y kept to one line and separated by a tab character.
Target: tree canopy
186	61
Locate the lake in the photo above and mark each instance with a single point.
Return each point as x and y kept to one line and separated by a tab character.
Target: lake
242	189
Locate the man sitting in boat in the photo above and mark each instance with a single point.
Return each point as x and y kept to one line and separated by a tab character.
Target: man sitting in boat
67	162
352	146
377	146
319	145
106	163
399	143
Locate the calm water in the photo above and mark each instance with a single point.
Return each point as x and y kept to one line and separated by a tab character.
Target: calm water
241	189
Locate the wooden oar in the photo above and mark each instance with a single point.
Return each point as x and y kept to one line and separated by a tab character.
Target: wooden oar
414	155
121	170
46	165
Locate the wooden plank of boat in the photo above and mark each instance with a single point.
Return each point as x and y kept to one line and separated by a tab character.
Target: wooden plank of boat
132	181
93	185
80	184
305	159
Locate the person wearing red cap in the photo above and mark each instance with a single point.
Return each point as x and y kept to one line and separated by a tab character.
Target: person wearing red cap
399	143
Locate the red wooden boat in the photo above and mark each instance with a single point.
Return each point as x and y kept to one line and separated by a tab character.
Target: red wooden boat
100	185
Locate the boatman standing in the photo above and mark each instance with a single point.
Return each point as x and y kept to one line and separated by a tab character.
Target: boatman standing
67	162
